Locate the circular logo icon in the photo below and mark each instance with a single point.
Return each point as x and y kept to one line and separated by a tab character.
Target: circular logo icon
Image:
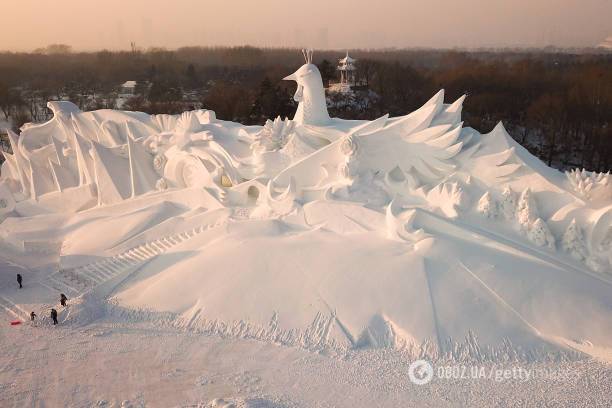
420	372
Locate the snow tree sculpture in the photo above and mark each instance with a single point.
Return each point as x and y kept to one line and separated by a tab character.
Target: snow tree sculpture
573	242
526	210
508	203
540	234
488	206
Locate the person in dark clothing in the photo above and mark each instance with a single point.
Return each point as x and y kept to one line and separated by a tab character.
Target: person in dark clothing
63	299
19	280
32	316
54	316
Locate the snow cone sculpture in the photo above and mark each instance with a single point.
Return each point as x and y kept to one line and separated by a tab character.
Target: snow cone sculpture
413	232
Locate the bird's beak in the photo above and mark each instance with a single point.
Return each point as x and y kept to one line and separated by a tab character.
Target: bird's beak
291	77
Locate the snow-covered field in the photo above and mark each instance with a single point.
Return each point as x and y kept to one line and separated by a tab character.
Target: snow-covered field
115	362
308	262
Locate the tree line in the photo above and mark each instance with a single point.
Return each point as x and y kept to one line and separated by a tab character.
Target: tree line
557	104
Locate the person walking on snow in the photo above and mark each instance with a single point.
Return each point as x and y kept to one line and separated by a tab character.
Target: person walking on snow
54	316
32	316
19	280
63	299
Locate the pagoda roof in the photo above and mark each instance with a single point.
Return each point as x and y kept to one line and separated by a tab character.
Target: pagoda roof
347	59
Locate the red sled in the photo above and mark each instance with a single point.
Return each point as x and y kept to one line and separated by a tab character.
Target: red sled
15	322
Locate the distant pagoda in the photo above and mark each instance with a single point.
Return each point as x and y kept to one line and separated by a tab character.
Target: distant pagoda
348	76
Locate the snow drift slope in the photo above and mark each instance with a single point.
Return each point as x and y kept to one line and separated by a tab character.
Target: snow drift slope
304	273
361	290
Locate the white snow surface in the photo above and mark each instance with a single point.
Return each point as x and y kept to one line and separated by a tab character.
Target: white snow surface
412	234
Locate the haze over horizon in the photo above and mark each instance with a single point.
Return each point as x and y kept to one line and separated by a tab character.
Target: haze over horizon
340	24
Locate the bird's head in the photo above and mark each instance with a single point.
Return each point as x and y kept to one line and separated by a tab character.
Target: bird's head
307	77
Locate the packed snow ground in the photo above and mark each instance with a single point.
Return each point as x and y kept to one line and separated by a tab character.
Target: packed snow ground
118	363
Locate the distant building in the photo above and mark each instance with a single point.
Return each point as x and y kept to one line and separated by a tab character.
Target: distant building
348	76
606	44
128	88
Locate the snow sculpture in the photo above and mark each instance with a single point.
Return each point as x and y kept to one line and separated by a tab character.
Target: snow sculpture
573	242
449	198
273	136
310	94
591	185
106	157
487	206
540	234
390	194
349	148
526	211
508	203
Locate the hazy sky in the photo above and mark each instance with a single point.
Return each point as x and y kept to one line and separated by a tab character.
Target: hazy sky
112	24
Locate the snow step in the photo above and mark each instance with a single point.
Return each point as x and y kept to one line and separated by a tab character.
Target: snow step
74	275
161	245
62	287
128	260
10	307
143	253
158	247
94	274
103	273
153	249
69	276
147	251
102	270
120	263
90	274
112	268
134	254
166	242
132	259
78	280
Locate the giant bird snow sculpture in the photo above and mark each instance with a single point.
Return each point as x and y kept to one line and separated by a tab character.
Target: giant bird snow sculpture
427	159
399	231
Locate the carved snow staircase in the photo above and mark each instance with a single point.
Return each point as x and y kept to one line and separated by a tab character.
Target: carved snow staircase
76	281
13	309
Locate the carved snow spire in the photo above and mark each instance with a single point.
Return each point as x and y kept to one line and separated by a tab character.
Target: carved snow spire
307	53
21	163
111	175
143	177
